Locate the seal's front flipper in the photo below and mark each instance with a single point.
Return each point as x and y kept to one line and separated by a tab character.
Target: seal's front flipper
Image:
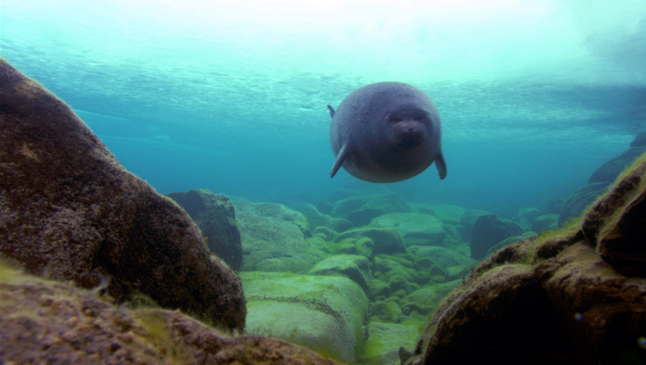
441	166
343	153
331	109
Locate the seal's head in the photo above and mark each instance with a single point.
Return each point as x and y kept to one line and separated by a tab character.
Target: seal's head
406	127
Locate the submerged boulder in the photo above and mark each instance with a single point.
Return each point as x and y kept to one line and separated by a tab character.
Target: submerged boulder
415	228
487	231
215	216
70	211
323	313
603	176
574	296
385	339
607	173
545	222
318	219
468	219
385	240
275	238
361	209
579	200
354	267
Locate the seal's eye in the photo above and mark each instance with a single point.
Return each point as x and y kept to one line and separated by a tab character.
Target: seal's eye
394	117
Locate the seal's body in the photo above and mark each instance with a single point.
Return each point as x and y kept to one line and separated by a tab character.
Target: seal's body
386	132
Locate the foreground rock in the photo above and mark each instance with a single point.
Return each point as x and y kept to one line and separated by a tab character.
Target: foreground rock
577	296
215	216
323	313
70	211
43	321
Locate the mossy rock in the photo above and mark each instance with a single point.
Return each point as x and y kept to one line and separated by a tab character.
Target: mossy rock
580	199
378	289
427	298
545	222
388	266
323	313
385	339
354	267
442	256
387	310
385	240
49	322
360	210
318	219
276	234
415	228
446	213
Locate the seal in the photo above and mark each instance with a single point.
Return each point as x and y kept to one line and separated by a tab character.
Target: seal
386	132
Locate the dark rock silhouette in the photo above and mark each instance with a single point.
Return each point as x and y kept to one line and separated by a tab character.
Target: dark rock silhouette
215	216
487	231
574	296
70	211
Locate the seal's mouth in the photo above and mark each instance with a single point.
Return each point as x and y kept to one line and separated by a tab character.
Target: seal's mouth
408	133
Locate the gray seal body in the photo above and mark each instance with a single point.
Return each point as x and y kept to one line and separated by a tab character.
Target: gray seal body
386	132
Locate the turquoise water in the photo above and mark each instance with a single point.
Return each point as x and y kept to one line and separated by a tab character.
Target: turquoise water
533	95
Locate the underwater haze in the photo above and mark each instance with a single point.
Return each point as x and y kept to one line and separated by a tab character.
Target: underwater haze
231	96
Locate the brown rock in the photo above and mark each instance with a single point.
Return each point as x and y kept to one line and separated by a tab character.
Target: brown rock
554	299
616	224
43	321
215	216
70	211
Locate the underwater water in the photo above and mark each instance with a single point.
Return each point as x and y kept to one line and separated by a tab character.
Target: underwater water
231	96
533	96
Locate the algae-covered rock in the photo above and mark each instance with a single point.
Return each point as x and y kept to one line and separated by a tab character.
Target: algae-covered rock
468	219
387	310
385	339
616	224
607	173
443	257
388	266
215	216
49	322
579	200
275	238
354	267
323	313
361	209
487	231
318	219
577	295
509	240
425	300
385	240
378	289
415	228
545	222
526	216
446	213
70	211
